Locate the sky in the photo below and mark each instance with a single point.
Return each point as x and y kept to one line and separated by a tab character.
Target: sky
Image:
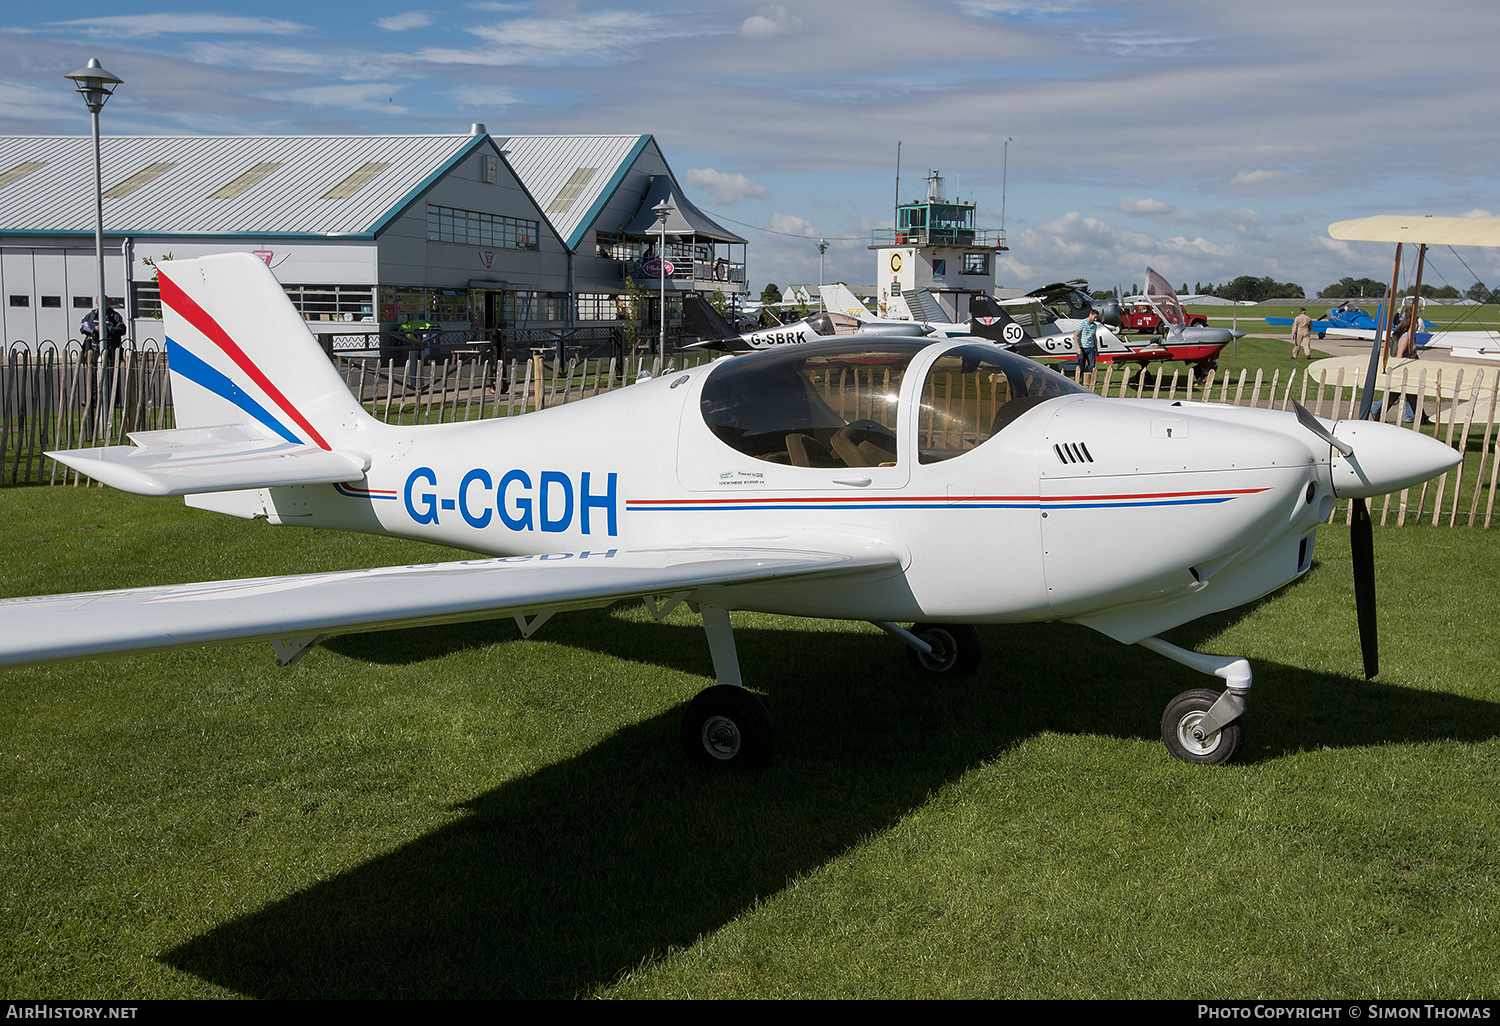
1205	139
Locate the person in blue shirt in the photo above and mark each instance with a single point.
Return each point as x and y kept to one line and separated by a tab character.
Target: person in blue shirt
1085	336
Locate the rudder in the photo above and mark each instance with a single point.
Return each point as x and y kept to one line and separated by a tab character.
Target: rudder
240	353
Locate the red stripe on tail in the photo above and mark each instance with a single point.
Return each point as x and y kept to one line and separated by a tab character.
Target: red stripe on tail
199	318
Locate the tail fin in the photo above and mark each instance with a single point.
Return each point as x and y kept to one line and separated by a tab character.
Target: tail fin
925	308
990	320
839	298
700	319
240	353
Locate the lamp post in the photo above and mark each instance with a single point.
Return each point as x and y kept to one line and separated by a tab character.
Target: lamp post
96	86
822	248
662	211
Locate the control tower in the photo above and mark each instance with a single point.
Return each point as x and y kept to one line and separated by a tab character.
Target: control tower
934	246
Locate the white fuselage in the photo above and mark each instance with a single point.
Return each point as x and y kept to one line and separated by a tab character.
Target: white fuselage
1009	531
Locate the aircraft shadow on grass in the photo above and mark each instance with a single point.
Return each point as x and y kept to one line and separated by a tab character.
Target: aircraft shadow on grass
533	895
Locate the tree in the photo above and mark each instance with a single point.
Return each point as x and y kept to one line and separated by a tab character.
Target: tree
770	294
1353	288
1478	293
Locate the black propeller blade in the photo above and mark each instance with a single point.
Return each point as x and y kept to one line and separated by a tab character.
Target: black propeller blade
1362	555
1361	549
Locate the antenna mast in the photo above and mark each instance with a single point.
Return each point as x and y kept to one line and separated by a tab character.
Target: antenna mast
898	184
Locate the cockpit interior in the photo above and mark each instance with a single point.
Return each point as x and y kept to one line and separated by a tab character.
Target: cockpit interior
839	405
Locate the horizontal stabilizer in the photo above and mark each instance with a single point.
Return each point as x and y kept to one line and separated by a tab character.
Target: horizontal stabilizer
81	626
210	459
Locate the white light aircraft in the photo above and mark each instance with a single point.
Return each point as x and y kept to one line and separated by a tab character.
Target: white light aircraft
890	479
702	321
839	298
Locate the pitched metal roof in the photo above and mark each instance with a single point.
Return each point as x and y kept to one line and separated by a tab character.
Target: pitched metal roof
299	186
685	219
571	177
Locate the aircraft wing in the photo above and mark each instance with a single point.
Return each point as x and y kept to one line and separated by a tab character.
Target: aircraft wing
182	461
299	610
1286	322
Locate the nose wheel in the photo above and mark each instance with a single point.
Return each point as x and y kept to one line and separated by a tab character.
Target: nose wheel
956	650
1188	738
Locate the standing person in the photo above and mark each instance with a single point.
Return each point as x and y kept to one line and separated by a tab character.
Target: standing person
89	329
1302	333
1086	336
114	331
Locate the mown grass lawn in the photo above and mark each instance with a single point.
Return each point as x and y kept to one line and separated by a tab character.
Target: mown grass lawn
457	812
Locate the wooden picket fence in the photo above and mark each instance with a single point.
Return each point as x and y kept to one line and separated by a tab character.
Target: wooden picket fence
69	400
474	388
1463	417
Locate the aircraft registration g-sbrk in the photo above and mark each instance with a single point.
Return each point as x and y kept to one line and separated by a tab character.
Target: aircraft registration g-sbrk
887	479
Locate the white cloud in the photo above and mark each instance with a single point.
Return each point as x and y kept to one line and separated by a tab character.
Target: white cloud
791	224
366	96
725	188
403	22
594	37
145	26
1241	222
769	23
1146	207
1261	181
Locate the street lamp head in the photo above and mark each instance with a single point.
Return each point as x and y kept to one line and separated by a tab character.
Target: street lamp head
94	84
663	210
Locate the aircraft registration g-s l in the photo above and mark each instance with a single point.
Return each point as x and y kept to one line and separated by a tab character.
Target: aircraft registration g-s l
883	479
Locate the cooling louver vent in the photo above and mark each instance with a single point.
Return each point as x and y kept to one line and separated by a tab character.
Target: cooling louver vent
1072	452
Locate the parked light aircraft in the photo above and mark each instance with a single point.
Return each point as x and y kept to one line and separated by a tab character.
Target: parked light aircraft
702	321
1032	329
840	298
1349	321
1071	299
887	479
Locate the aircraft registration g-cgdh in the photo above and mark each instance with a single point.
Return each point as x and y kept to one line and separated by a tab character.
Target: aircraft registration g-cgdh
887	479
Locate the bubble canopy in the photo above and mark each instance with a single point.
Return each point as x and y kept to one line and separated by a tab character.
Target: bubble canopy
839	404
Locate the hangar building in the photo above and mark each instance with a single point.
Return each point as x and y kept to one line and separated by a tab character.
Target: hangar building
475	233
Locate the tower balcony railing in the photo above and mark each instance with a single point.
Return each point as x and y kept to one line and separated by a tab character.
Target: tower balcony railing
987	238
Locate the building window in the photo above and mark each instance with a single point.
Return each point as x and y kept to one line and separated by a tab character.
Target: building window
147	296
400	305
596	306
332	302
20	300
472	228
976	263
527	307
617	247
52	302
83	302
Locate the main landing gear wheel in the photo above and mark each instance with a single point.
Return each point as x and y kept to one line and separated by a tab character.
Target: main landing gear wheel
727	727
1183	715
956	649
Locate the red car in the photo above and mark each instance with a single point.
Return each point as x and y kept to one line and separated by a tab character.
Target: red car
1138	316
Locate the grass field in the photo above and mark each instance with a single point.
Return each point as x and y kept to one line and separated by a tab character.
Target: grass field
456	812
